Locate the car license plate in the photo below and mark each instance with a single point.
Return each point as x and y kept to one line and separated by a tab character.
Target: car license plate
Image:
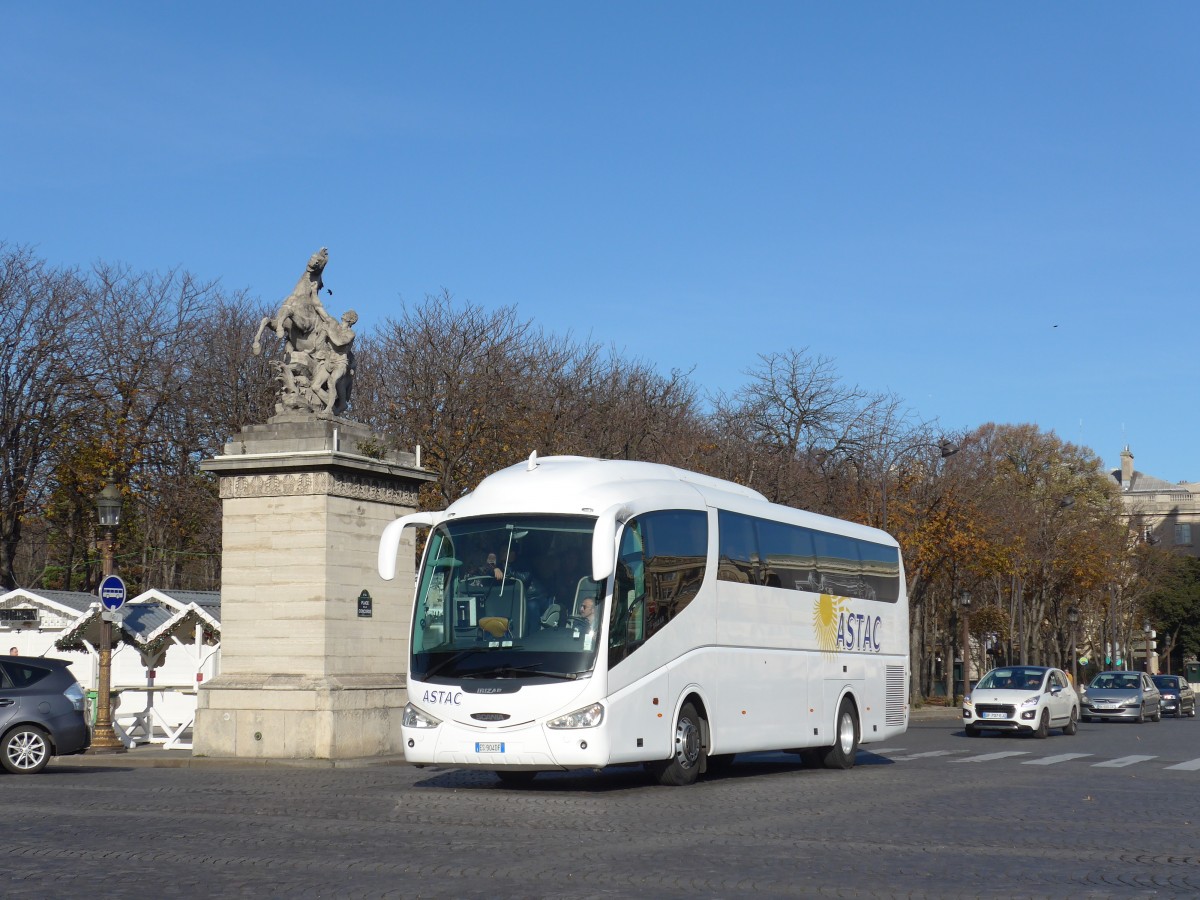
489	748
994	715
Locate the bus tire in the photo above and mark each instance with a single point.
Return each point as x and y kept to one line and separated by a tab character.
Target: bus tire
845	744
683	768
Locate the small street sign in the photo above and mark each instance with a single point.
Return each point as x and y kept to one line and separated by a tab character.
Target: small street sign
364	605
112	592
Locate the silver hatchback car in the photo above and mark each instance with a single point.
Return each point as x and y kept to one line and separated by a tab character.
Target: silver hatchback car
1122	695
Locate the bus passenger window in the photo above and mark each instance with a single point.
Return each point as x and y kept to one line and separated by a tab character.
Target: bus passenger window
655	585
738	559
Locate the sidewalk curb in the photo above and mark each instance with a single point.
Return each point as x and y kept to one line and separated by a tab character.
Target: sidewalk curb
183	759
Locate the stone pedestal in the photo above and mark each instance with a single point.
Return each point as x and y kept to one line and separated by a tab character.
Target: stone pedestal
311	667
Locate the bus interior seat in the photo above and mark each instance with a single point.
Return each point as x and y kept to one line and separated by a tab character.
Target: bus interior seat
496	626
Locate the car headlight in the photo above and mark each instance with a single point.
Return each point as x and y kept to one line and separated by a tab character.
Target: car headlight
415	718
1134	702
588	717
1032	701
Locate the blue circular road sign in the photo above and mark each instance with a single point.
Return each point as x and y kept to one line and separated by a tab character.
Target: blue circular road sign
112	592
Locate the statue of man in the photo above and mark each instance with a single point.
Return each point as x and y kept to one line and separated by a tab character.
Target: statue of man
333	374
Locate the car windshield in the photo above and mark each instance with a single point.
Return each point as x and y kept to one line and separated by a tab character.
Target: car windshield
1013	678
507	597
1118	681
1166	682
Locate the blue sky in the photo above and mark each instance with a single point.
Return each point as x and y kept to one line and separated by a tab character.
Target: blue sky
987	209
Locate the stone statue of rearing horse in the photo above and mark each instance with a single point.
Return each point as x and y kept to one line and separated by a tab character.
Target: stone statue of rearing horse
318	371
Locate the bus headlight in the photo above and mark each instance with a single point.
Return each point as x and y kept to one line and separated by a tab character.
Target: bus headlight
588	717
414	718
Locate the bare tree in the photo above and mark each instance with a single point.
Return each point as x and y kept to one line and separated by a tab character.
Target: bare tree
448	376
40	386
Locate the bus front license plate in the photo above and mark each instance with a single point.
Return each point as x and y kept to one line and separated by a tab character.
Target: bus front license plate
489	748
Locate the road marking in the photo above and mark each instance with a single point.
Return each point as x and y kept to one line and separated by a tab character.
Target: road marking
1190	766
1121	762
927	755
988	757
1051	760
882	751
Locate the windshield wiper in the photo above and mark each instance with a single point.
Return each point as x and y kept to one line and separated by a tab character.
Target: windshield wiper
452	658
523	672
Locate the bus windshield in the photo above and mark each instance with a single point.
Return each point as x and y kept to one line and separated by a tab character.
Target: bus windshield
507	597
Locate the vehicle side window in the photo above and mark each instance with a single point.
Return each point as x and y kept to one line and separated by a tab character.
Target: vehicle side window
662	560
795	558
23	675
738	555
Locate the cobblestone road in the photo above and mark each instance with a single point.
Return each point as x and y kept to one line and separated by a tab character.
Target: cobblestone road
923	828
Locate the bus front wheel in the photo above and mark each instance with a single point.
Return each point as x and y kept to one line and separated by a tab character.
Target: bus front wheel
683	767
845	744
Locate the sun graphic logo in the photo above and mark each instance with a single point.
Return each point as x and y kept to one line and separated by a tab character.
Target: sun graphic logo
826	613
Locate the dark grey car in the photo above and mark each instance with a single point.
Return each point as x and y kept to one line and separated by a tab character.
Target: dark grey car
1178	698
41	713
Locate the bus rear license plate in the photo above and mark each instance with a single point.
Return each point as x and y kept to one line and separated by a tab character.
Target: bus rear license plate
489	748
991	715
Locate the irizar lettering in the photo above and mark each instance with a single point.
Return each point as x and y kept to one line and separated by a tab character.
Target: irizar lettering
857	631
446	698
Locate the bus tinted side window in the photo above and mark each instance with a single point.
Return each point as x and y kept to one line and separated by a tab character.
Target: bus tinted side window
738	554
661	565
775	554
789	556
881	570
840	566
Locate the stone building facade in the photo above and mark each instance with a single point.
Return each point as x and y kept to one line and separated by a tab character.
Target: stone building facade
1167	514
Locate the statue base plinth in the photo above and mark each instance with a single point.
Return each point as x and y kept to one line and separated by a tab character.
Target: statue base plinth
314	644
294	717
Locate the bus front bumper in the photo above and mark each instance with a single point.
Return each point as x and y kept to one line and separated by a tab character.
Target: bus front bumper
530	747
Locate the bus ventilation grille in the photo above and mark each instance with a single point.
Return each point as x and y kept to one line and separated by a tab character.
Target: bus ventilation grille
895	696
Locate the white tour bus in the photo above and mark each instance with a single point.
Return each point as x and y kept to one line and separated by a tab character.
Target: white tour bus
722	624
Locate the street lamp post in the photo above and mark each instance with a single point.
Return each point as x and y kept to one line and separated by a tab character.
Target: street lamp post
964	605
1073	622
104	736
1146	632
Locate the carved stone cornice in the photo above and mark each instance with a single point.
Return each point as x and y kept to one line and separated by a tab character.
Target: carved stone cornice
320	483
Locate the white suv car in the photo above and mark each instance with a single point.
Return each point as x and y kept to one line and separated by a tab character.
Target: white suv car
1024	699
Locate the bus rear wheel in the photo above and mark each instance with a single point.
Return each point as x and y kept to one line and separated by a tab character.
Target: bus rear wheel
684	766
845	745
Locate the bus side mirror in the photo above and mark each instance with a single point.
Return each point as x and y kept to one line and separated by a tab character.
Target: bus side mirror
389	542
604	542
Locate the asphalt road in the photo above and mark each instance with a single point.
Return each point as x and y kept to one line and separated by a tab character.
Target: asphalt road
1110	812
